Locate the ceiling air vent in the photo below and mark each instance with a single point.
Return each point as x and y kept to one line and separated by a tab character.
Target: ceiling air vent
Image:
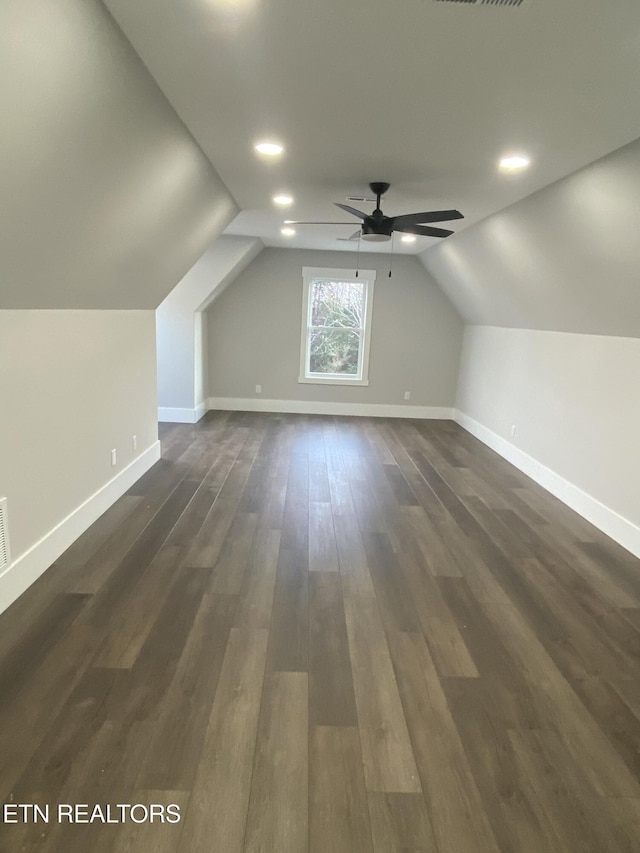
485	2
5	559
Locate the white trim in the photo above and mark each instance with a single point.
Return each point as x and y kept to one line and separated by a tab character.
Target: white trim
181	416
28	567
332	380
623	531
312	407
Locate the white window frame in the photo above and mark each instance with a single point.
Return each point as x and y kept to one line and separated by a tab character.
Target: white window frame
366	277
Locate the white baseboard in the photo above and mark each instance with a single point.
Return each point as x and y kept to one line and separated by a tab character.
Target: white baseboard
28	567
181	416
308	407
610	522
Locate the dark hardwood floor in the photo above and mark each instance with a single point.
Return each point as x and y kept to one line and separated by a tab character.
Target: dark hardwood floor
334	635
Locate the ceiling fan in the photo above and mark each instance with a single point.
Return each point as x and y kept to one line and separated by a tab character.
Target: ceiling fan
377	227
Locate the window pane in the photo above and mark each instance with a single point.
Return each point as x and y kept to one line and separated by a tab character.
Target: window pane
334	351
337	303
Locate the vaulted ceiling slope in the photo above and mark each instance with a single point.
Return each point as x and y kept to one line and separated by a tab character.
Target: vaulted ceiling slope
566	258
424	94
107	199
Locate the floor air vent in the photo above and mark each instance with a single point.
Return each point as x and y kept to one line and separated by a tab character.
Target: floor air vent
485	2
4	536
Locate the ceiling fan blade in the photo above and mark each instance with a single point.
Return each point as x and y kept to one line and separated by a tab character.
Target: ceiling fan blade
425	231
349	209
301	222
427	216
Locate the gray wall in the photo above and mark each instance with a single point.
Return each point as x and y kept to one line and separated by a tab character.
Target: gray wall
106	202
181	330
564	262
255	327
566	258
75	385
106	198
575	404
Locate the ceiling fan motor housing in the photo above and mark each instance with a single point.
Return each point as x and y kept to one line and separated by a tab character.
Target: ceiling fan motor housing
377	228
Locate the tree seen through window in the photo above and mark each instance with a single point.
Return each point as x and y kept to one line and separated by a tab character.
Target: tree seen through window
336	325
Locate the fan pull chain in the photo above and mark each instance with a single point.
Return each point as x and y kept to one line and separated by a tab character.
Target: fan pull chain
391	258
358	254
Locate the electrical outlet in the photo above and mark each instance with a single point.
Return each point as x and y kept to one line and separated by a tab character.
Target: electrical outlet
113	457
258	389
407	395
134	442
514	430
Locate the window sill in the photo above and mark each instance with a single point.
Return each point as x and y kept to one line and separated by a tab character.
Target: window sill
331	381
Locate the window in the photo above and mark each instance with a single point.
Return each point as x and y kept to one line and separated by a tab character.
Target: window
336	326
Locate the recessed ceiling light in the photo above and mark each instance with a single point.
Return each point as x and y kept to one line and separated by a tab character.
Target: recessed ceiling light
283	200
287	232
514	161
408	238
271	149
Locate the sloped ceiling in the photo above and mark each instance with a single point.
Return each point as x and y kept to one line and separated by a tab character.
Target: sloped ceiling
107	198
426	95
566	258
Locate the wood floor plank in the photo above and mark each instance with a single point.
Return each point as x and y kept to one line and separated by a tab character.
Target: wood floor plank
124	578
338	813
419	528
289	646
400	823
231	565
278	806
394	601
256	596
216	816
275	493
389	763
331	696
108	556
578	818
159	836
104	528
319	491
182	715
50	765
401	489
24	722
339	491
138	692
457	811
323	556
554	697
383	610
131	624
553	545
484	728
445	636
614	716
493	658
209	541
398	439
289	636
354	570
19	660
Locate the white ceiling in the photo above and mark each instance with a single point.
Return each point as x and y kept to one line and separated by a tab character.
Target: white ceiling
425	95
